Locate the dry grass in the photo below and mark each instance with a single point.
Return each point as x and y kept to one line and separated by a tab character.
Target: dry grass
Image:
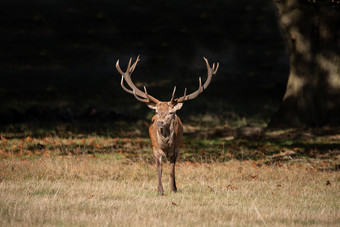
82	190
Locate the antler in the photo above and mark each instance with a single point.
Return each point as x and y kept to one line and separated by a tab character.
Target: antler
139	95
211	71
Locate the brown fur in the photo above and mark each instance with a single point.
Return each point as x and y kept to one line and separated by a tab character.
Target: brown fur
169	145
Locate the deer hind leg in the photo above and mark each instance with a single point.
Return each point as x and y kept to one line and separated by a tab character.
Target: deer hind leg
173	187
159	171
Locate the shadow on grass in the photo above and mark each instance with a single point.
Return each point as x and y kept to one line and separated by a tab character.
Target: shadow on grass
319	147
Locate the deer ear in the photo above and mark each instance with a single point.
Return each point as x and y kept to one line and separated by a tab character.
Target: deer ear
152	105
178	106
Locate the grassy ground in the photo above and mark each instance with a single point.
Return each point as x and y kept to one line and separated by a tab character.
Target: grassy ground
82	190
100	181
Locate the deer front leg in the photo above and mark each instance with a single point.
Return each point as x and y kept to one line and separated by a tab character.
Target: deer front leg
159	171
173	187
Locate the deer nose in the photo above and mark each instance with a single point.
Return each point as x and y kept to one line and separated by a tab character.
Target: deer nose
160	123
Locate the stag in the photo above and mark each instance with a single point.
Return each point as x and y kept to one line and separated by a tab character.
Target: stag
166	130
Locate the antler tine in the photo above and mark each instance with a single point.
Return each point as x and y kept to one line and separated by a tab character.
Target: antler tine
146	92
200	84
211	71
134	65
215	70
142	96
140	99
146	100
125	89
207	63
129	66
173	94
118	68
185	93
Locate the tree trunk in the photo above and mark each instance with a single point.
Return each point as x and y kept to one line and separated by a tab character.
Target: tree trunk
312	97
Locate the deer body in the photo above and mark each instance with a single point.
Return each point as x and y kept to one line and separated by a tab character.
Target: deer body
166	139
166	130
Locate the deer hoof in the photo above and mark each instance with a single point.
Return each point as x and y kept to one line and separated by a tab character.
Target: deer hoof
160	191
174	190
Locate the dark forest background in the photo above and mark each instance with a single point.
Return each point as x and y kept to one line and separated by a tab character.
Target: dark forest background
57	60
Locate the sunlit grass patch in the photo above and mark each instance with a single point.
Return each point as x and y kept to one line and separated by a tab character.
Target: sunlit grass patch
85	190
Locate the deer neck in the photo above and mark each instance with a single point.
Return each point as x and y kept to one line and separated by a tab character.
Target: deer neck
166	134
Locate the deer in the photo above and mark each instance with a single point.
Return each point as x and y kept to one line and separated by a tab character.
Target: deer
166	129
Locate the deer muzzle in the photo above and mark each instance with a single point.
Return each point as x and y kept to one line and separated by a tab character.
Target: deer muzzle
160	123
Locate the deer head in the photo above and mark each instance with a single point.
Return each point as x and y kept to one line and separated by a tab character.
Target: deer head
165	111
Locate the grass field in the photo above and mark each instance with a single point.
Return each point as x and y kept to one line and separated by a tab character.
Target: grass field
100	181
